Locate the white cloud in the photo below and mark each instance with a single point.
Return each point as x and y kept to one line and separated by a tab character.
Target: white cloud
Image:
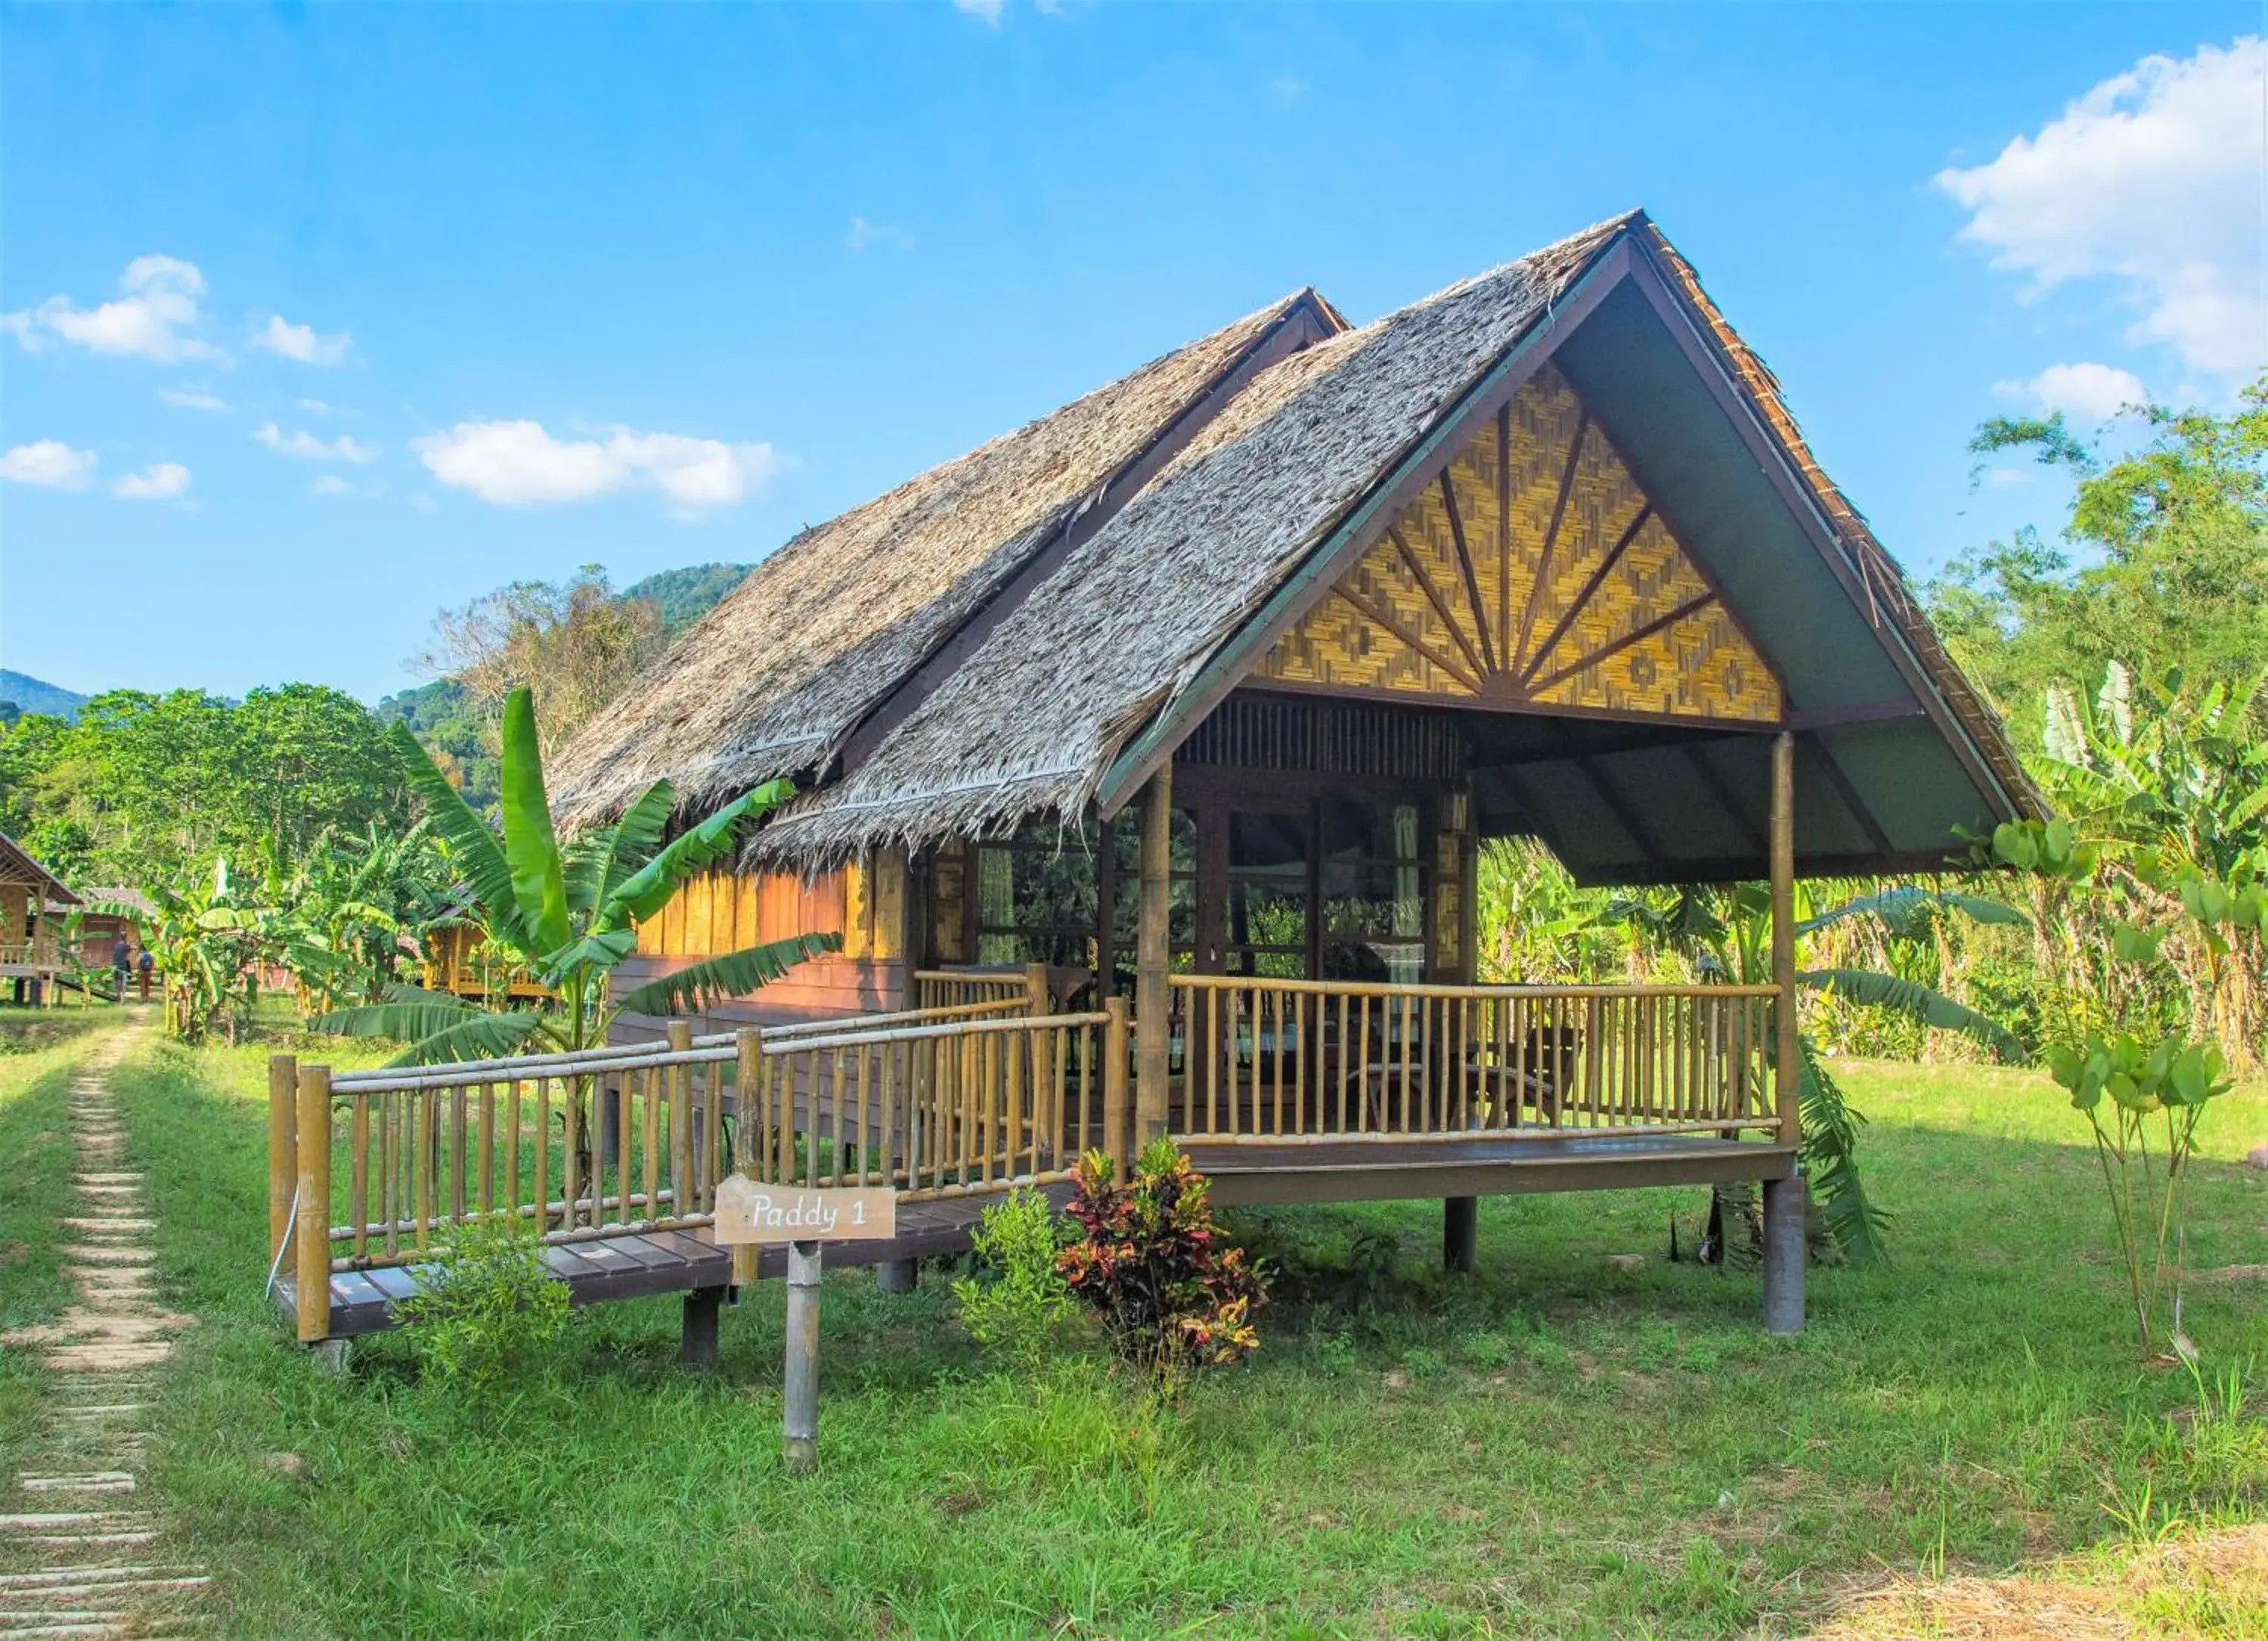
316	407
862	233
300	341
49	462
330	485
304	447
193	399
159	482
158	303
989	9
2153	180
518	463
2088	391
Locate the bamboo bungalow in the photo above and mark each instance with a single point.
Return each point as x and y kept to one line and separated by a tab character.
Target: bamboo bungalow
1206	689
31	955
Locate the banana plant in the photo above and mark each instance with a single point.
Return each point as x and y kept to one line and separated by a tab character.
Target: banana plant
566	911
210	937
1726	933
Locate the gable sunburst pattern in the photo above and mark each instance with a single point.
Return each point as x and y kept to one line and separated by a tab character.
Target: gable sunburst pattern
1532	574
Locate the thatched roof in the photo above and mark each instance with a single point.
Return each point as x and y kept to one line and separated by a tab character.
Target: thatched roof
16	866
1031	629
773	681
1031	721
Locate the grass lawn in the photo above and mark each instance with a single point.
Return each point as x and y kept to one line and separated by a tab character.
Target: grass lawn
1551	1447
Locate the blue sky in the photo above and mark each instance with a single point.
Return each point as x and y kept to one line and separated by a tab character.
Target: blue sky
319	318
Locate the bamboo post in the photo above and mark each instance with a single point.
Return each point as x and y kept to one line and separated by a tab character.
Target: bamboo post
1785	1063
283	1147
312	1266
684	1200
799	1433
1152	1004
746	1137
1114	1085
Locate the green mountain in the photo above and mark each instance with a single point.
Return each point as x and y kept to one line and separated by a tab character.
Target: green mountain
27	694
683	596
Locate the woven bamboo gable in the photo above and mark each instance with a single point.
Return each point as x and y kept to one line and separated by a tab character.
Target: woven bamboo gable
1533	574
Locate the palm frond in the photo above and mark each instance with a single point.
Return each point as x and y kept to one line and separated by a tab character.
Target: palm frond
733	974
480	1037
646	891
531	849
1830	1162
638	835
436	1025
408	1013
477	854
1905	907
1917	1002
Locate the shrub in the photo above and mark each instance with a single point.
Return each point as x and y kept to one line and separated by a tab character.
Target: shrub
484	1305
1151	1267
1017	1314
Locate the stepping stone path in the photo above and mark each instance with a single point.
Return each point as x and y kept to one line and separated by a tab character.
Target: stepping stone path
80	1553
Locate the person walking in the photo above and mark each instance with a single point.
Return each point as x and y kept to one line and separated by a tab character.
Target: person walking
121	956
143	965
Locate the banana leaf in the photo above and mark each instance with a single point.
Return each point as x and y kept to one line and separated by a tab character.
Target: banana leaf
1917	1002
648	890
531	850
1904	909
605	860
476	852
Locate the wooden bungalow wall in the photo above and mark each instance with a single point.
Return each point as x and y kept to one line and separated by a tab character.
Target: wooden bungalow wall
721	911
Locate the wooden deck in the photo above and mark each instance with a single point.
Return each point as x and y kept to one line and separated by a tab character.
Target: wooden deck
1359	1170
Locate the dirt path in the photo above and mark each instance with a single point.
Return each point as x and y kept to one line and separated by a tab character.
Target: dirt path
84	1553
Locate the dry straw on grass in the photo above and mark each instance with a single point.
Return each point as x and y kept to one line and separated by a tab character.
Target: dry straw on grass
2212	1583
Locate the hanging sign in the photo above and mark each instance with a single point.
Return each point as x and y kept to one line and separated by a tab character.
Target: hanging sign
748	1210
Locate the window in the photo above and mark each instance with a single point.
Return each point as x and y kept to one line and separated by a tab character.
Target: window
1373	892
1038	899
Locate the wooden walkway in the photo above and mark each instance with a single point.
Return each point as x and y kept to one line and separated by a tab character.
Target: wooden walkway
636	1264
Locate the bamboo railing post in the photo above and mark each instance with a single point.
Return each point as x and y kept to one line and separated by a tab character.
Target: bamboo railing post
283	1147
749	1071
312	1266
1113	1086
1152	1004
682	1177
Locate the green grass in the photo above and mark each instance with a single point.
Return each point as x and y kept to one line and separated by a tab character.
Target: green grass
1548	1448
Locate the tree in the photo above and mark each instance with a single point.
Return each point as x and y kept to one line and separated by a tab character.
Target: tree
573	645
568	913
2167	563
150	788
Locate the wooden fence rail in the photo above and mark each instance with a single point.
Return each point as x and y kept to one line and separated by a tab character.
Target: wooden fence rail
1276	1059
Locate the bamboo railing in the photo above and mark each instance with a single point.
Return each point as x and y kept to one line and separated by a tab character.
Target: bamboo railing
1279	1058
938	988
372	1169
940	1109
41	953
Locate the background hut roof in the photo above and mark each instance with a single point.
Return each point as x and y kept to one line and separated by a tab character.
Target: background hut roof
772	681
16	866
1031	719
